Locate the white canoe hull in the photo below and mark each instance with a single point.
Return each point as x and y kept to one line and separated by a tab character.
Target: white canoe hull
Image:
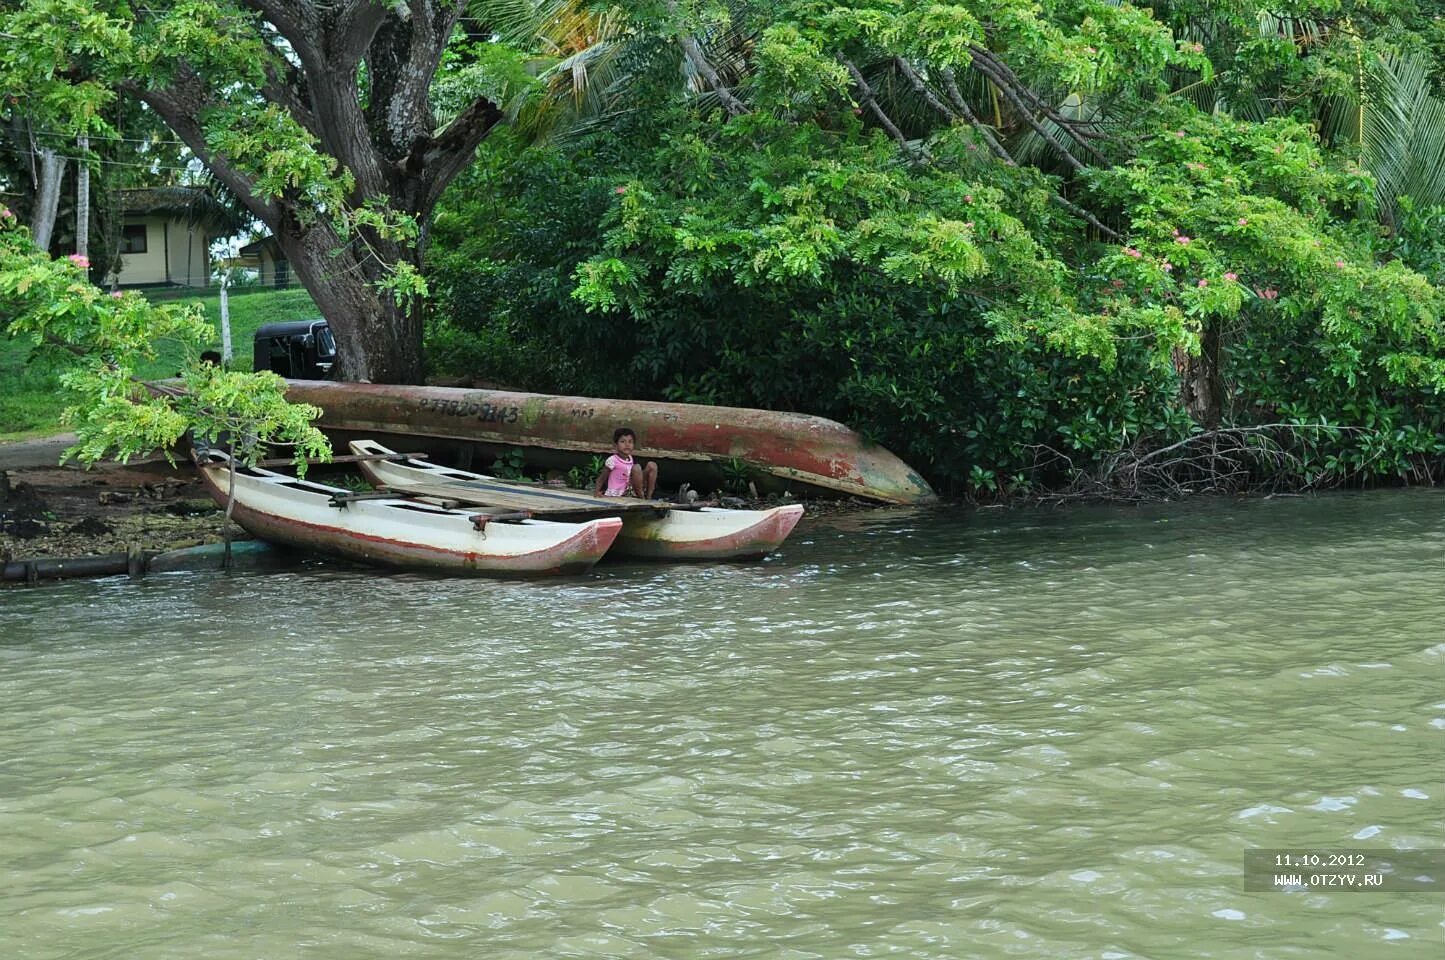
708	533
399	532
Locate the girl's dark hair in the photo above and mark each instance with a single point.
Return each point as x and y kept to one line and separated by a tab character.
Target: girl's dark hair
621	432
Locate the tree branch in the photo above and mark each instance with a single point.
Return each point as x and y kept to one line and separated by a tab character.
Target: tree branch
451	150
179	105
999	151
870	101
984	130
286	86
291	20
923	91
1007	78
692	50
985	66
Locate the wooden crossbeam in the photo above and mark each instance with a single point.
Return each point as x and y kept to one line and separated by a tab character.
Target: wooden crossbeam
542	501
344	458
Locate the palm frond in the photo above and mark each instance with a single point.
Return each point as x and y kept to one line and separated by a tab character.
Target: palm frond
1032	148
1403	132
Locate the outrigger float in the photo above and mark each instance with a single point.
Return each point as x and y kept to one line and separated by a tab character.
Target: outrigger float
783	451
650	528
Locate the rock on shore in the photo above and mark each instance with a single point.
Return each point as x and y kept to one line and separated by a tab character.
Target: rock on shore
61	512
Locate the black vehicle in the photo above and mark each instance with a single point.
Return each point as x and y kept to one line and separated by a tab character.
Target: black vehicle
299	349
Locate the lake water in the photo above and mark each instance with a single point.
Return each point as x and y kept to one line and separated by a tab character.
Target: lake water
924	734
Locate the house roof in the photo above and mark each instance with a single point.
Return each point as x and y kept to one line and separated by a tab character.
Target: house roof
193	204
254	248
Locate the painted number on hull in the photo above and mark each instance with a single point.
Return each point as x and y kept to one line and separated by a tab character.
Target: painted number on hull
485	412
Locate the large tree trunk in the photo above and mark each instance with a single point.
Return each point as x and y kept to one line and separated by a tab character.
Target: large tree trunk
1200	386
378	341
389	145
47	196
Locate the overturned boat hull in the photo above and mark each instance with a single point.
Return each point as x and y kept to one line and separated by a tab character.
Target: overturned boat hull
791	451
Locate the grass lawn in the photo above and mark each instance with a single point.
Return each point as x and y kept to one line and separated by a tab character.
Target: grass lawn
31	399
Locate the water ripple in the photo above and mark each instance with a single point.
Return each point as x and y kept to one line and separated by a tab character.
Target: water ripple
928	734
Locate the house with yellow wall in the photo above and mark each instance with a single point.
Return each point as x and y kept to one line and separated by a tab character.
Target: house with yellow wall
165	237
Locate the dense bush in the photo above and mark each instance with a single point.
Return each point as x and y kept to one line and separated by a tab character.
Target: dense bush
920	283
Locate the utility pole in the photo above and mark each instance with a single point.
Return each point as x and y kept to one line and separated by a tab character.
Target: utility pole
82	199
225	316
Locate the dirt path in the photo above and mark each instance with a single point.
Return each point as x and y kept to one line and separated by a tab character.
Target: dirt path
41	452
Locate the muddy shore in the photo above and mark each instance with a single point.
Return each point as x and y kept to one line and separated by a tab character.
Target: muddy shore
64	512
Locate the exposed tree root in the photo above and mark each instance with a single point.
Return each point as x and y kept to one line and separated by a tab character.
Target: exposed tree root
1264	458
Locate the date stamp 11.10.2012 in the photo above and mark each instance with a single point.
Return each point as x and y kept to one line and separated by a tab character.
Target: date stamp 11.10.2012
1344	870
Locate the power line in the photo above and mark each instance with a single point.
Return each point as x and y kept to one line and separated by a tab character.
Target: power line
125	163
149	140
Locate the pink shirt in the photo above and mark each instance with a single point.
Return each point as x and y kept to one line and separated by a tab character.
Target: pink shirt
619	476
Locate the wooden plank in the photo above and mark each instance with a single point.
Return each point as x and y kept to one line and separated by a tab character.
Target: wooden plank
344	458
540	500
342	499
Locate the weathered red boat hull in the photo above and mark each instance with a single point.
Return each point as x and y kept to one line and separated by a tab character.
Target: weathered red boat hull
799	450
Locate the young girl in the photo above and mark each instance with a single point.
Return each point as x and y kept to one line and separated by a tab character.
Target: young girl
620	475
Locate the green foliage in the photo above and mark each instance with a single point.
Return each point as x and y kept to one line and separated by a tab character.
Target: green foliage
736	475
354	482
510	465
797	256
30	390
98	342
579	478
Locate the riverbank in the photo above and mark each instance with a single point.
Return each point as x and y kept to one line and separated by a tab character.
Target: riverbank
50	511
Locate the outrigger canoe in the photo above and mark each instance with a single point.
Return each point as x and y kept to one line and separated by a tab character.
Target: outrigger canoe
650	528
403	532
781	451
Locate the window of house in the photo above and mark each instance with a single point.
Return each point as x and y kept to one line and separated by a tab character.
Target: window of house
133	238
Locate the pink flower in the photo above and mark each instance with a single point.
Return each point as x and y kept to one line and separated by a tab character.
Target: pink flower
116	294
968	223
79	261
1167	266
1130	251
5	214
1198	48
1231	277
1179	133
1203	282
968	198
1243	222
1268	294
1182	240
1339	263
620	190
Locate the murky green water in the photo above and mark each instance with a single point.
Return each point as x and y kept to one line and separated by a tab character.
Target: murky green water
1030	734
